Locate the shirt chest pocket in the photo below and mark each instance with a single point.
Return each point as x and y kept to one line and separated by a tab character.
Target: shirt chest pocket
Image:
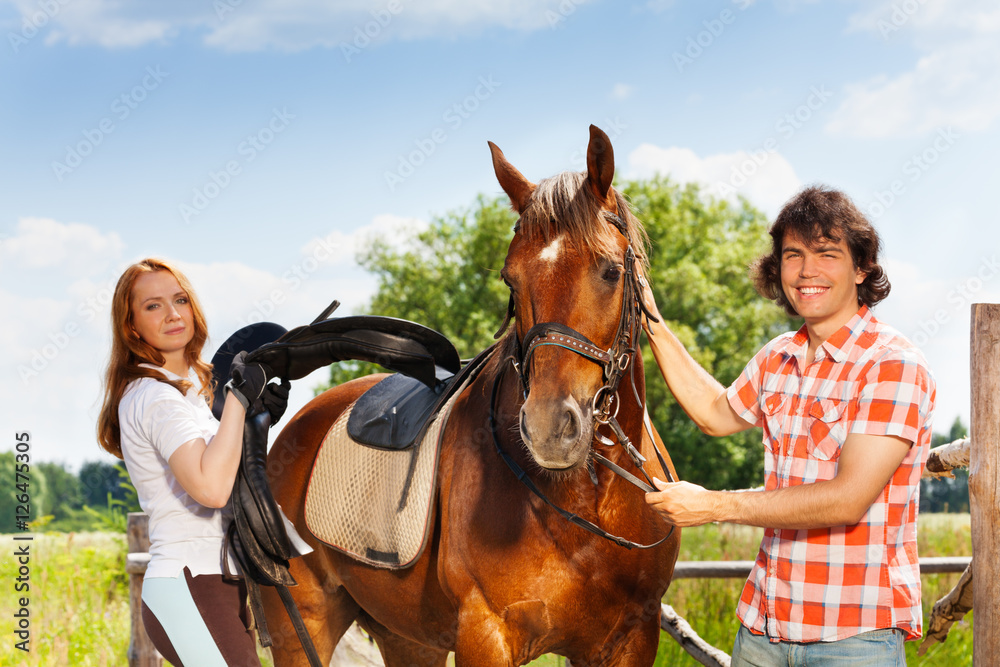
774	414
827	420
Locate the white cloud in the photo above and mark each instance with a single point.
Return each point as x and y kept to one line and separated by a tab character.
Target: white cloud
242	25
622	91
955	82
767	179
934	312
344	247
72	248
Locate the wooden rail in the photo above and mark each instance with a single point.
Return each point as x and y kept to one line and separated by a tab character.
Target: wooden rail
726	569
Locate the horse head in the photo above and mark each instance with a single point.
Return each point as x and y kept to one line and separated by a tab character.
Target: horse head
569	268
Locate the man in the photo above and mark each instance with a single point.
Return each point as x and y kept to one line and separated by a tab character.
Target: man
846	404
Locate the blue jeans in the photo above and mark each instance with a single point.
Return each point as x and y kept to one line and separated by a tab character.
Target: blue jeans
879	648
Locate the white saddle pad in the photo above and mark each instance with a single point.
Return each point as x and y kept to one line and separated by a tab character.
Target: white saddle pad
374	504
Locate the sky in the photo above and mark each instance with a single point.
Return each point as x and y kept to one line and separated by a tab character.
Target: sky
258	144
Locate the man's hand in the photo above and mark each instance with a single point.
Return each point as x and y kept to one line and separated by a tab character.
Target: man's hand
683	503
646	296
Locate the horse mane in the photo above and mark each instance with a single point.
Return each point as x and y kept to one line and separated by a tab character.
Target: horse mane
562	205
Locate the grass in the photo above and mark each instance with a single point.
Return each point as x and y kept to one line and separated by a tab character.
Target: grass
80	615
77	601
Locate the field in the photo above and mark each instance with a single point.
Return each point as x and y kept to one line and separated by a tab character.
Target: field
78	597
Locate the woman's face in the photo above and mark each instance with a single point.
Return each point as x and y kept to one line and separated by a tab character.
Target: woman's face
161	313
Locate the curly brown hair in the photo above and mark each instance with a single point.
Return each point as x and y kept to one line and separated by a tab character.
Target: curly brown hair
815	214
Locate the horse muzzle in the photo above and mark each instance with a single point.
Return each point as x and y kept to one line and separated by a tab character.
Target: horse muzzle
557	432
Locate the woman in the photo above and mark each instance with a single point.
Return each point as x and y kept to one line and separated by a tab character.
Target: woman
182	461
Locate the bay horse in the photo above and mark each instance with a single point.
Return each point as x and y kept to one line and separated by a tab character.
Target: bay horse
505	577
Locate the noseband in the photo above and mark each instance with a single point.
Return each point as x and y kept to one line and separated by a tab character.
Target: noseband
614	362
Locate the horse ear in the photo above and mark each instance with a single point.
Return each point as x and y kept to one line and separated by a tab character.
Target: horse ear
600	163
517	187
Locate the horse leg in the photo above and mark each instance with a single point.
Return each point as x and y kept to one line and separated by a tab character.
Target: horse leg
487	639
327	615
621	648
399	651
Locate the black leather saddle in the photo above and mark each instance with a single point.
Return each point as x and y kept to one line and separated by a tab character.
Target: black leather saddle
392	414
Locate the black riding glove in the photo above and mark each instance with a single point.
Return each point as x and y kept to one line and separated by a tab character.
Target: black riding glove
275	399
248	381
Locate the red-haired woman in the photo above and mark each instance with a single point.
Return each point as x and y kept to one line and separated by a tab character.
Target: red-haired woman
157	416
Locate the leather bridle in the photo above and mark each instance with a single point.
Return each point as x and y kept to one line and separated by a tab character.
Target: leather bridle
615	362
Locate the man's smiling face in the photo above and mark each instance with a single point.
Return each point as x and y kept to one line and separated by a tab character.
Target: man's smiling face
820	281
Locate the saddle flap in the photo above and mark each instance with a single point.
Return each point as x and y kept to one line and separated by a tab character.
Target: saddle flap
252	492
392	414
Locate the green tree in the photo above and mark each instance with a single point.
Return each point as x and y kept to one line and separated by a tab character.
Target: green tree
98	479
18	493
446	277
8	495
64	492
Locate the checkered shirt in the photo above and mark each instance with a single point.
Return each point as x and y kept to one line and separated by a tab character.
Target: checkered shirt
827	584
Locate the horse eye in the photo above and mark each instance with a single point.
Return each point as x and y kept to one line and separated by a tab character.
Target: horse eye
613	273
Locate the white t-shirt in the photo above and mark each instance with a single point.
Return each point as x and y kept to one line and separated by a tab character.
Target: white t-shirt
155	420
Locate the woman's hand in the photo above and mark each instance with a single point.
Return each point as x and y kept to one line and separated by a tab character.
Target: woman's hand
275	399
248	381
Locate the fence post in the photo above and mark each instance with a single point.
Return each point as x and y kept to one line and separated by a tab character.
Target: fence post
984	478
141	652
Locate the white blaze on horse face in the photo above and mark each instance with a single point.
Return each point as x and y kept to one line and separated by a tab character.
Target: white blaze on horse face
550	253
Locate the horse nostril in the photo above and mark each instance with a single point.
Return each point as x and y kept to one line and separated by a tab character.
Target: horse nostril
525	436
571	428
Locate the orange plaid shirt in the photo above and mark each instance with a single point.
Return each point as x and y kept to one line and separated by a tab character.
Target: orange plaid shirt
827	584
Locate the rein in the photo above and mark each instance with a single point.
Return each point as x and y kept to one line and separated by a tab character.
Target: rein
615	362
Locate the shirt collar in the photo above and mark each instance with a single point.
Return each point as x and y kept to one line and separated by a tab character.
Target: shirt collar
838	346
170	375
